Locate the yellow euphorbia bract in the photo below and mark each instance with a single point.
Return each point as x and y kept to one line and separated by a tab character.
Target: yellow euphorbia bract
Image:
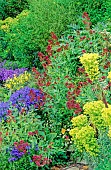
94	111
85	140
106	114
91	64
79	121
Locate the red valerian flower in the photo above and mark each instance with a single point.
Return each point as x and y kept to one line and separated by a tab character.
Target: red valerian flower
85	15
91	31
70	85
105	50
41	56
49	47
1	139
22	110
59	50
9	112
53	35
109	84
82	38
70	104
81	70
66	76
77	111
33	133
40	161
50	42
83	51
48	83
107	65
65	47
44	65
89	80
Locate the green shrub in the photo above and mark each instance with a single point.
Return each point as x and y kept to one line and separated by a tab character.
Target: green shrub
11	8
98	10
28	34
102	161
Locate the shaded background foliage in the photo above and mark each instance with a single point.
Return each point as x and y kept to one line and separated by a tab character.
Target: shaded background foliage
29	35
11	8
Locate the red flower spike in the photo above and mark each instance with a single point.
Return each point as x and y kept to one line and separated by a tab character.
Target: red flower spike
21	141
50	42
83	51
9	112
91	31
49	48
1	139
81	70
85	22
82	38
89	80
15	143
44	65
105	50
59	50
40	54
109	84
54	36
57	43
48	83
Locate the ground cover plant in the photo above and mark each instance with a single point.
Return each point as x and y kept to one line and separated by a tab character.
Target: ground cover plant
58	111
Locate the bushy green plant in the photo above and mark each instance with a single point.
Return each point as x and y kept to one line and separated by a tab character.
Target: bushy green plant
98	10
102	161
28	34
26	128
11	8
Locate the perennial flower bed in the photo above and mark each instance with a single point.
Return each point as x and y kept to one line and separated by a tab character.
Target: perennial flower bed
59	113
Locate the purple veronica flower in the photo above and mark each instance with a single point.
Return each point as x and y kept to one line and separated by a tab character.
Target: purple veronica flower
16	154
4	106
23	98
36	147
6	73
12	159
26	97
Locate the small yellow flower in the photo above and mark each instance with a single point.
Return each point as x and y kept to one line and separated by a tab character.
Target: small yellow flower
109	75
16	83
63	130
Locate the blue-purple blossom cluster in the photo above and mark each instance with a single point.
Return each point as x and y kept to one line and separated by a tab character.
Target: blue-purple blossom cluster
4	106
26	97
23	98
16	154
6	73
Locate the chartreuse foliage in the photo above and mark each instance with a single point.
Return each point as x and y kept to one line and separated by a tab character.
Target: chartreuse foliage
83	135
91	64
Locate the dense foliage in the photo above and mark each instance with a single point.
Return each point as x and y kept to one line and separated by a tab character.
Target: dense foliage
55	84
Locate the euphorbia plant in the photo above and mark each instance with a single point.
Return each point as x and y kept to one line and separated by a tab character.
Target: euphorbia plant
96	109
